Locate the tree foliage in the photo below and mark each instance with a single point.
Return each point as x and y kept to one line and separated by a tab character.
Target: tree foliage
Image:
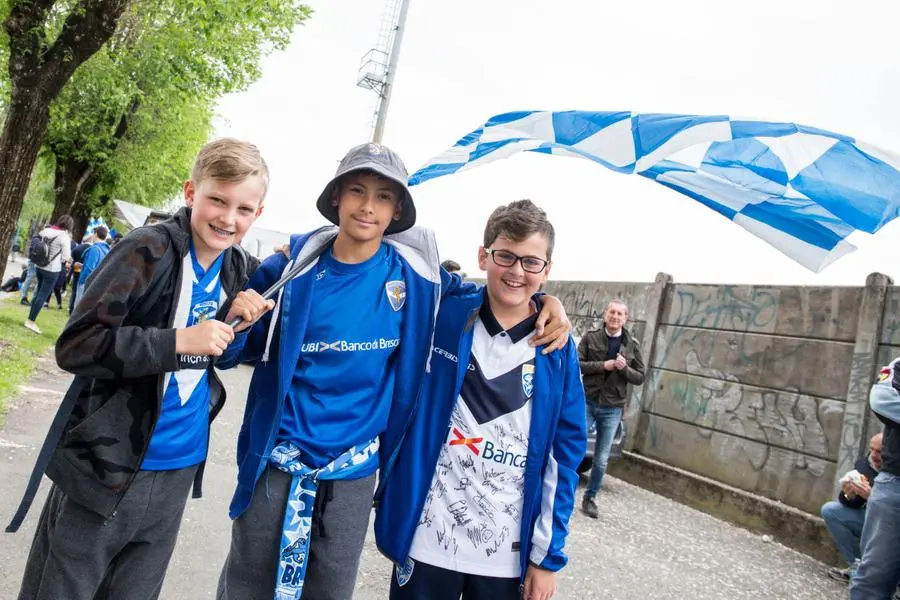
132	118
45	42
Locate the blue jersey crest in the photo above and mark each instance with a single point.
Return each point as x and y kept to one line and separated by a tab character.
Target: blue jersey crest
528	379
405	571
396	294
204	311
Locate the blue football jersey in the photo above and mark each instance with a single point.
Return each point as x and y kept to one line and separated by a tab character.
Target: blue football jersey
182	433
342	388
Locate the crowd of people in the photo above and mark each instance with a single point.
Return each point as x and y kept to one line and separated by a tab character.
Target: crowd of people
460	411
56	264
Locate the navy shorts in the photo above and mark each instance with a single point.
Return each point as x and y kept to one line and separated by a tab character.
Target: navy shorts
421	581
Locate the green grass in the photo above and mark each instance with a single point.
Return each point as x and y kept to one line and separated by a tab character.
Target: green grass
19	347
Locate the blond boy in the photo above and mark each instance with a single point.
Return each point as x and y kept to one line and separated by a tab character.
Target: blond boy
131	436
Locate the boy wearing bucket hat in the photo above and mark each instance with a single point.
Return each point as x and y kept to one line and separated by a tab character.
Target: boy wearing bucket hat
339	362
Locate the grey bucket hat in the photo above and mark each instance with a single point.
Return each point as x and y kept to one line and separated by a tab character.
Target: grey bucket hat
381	160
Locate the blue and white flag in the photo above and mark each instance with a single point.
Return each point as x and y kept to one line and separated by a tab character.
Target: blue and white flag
93	224
801	189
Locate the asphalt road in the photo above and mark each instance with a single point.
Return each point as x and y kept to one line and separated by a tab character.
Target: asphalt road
643	546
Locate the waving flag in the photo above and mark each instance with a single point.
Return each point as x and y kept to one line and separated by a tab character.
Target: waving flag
801	189
93	224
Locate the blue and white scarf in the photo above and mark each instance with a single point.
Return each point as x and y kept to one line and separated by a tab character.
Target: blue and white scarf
298	513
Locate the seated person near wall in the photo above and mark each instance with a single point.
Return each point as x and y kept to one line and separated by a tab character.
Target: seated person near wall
845	516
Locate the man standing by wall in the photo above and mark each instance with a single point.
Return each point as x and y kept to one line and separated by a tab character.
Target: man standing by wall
610	359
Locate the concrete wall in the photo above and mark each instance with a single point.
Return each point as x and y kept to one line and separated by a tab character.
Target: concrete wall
761	388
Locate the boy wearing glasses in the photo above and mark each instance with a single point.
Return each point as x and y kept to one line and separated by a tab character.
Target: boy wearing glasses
479	499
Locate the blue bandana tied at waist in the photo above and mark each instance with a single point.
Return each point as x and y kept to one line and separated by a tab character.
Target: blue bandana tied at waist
298	513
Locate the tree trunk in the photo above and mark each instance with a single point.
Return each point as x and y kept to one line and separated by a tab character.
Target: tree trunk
71	180
23	132
81	218
38	73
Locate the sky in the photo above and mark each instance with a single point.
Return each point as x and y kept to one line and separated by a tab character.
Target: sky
829	64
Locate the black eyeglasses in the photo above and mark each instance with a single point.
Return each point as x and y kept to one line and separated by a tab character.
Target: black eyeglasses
504	258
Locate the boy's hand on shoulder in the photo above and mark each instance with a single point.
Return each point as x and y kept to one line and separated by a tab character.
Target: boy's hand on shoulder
209	338
540	584
249	305
552	327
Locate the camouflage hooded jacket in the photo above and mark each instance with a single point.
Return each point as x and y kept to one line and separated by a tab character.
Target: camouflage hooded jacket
119	343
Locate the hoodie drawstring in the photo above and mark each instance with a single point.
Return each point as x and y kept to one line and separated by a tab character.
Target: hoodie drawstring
271	332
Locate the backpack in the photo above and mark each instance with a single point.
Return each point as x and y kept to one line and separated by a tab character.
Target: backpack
39	251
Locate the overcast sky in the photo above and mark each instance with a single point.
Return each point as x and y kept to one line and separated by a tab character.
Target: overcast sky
819	63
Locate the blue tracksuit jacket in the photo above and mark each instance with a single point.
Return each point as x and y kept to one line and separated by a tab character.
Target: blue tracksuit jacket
557	443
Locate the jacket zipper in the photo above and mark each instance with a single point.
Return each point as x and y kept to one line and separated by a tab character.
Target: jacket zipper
390	463
457	385
159	397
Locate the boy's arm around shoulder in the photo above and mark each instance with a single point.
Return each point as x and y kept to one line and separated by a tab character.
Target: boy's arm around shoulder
96	342
249	344
452	285
568	448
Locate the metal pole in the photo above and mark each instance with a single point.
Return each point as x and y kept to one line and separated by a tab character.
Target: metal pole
385	99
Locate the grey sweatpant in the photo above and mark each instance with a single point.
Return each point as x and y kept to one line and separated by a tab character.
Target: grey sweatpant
334	552
78	555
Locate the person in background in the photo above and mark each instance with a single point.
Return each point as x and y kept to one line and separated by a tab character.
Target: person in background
59	288
58	253
878	574
28	279
75	271
92	256
845	516
610	359
451	266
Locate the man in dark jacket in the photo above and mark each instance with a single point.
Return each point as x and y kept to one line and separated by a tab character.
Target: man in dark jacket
845	516
610	359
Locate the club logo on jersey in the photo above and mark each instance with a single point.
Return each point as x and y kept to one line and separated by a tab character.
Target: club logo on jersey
204	311
469	443
884	374
528	379
405	571
396	294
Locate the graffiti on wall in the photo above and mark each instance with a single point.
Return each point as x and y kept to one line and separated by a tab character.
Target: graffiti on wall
752	421
722	308
715	400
